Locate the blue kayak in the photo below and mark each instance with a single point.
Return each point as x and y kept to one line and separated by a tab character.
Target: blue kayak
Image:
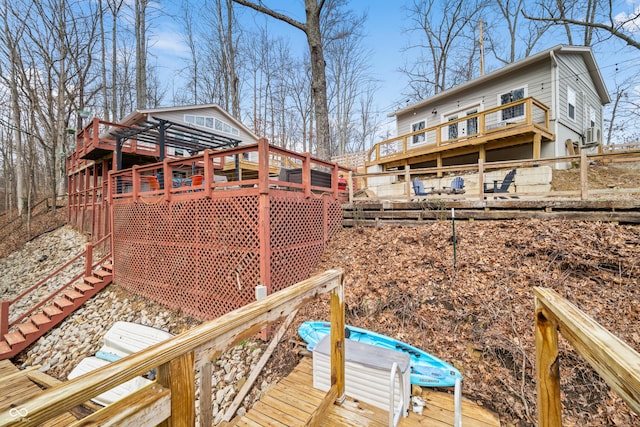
426	370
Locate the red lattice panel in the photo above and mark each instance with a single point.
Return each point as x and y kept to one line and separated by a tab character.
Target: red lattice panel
203	255
300	229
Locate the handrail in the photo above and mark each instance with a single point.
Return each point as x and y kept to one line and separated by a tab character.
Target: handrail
482	129
614	360
127	184
178	358
87	253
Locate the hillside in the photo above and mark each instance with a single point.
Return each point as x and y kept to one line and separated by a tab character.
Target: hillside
401	281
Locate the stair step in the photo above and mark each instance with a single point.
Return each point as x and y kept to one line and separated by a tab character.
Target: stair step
40	320
27	328
108	266
102	274
83	287
4	347
14	338
72	295
52	311
62	303
93	281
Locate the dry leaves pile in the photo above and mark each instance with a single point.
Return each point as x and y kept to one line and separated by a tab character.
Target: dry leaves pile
479	315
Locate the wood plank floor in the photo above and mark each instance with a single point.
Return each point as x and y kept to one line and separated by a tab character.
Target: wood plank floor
17	387
292	400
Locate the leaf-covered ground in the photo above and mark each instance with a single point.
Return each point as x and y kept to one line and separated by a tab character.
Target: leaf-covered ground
479	314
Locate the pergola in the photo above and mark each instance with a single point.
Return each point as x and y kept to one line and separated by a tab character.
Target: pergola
166	133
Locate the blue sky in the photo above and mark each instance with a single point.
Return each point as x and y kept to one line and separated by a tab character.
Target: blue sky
385	37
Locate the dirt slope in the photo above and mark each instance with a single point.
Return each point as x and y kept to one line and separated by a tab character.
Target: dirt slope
401	281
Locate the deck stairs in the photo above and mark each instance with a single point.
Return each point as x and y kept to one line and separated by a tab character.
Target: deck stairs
54	310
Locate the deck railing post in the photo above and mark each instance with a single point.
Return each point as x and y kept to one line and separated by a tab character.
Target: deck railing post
548	370
88	259
337	340
480	179
4	317
178	376
306	175
584	174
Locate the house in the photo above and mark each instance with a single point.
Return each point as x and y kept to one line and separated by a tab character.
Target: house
528	109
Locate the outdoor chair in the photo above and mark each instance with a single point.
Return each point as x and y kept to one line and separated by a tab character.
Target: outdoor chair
153	183
418	188
196	180
457	185
501	186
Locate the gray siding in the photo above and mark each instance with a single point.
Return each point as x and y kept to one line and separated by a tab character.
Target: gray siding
573	74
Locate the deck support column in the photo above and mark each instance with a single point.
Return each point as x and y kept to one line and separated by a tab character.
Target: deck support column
537	142
264	214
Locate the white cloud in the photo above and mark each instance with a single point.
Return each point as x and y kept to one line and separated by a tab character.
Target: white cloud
630	21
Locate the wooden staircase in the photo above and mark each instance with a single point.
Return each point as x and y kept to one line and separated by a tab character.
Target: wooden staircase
53	312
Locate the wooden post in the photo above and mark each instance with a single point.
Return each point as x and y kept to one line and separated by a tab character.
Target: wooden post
337	340
584	174
537	141
88	260
481	178
264	216
306	175
167	176
135	178
407	181
178	376
206	413
350	187
208	173
439	163
4	317
548	370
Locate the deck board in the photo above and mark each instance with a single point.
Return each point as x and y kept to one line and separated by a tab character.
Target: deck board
18	387
293	399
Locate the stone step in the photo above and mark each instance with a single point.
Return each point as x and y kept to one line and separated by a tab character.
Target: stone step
13	338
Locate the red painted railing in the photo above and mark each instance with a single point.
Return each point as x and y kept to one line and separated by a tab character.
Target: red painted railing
5	306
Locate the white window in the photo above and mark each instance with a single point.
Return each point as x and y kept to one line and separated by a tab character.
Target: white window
571	104
472	123
453	129
517	111
209	122
189	119
419	137
592	117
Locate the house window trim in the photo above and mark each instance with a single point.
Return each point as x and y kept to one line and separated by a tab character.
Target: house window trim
570	90
499	103
192	119
416	136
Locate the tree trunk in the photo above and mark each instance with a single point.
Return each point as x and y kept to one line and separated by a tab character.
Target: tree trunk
141	54
318	77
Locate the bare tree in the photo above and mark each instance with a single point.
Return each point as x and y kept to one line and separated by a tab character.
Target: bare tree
313	31
523	35
585	15
114	7
141	52
447	28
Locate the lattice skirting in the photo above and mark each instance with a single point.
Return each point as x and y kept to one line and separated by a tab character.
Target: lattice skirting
203	255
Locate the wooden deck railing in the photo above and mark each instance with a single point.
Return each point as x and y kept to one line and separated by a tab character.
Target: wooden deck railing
615	361
488	125
171	398
159	179
583	162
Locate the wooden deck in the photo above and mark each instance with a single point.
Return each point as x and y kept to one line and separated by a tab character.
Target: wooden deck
17	386
292	400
